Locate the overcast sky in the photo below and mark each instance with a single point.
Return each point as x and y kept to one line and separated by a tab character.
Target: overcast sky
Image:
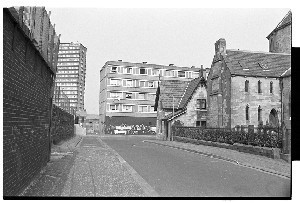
182	36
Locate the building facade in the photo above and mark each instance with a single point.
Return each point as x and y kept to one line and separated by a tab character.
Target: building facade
127	91
244	87
280	39
70	76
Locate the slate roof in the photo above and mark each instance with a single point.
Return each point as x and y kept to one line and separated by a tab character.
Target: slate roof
190	89
248	63
287	20
170	89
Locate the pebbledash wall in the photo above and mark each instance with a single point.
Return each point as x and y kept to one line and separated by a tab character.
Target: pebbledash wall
27	81
62	127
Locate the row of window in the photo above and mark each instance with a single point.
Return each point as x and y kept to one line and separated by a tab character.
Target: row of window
66	84
154	72
67	76
132	83
68	64
69	88
129	108
259	90
67	71
259	112
131	95
68	47
70	67
68	59
67	55
66	80
68	52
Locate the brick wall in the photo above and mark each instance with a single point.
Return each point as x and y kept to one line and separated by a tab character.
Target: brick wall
62	127
240	98
27	84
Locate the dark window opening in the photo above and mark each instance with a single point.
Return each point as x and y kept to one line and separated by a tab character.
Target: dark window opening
246	85
197	123
259	86
259	113
247	113
181	74
142	71
201	103
271	87
203	123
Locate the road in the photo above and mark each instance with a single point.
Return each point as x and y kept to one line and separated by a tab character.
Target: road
176	173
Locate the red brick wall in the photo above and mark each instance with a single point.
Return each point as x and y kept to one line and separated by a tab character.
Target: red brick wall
26	108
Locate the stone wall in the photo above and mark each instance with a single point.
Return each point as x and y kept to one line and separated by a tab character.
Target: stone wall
280	41
240	98
191	116
27	81
62	125
286	111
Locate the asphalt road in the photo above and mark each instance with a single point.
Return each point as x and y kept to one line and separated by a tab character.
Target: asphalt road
177	173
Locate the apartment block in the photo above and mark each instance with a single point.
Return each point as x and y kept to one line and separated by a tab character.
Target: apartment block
70	77
128	91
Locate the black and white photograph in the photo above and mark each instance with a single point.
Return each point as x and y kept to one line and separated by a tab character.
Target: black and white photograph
153	101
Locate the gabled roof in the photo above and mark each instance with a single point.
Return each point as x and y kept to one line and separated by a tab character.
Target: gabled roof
190	89
170	89
287	20
259	64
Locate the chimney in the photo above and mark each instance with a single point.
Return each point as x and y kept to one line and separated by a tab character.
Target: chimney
171	64
120	60
144	62
220	47
201	71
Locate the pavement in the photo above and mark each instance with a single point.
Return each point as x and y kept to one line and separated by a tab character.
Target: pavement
277	167
85	166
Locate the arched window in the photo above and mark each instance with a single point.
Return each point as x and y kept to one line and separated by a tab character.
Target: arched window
259	86
259	113
247	112
271	87
246	85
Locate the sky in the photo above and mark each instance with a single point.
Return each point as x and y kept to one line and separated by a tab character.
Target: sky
159	33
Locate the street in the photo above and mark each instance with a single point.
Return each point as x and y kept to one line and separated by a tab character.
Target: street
173	172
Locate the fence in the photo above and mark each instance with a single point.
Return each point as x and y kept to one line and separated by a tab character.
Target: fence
61	99
255	136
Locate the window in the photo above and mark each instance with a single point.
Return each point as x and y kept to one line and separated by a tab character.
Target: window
201	104
115	82
247	86
151	97
143	71
114	69
115	94
271	87
259	113
170	73
128	70
143	108
195	74
150	84
259	86
128	83
114	107
128	95
197	123
127	108
142	83
181	74
155	72
141	95
203	123
149	71
151	108
189	74
247	113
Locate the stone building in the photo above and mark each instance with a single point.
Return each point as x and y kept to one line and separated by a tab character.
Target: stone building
180	102
280	39
243	87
